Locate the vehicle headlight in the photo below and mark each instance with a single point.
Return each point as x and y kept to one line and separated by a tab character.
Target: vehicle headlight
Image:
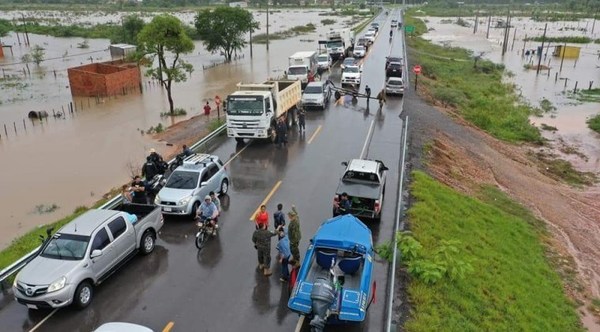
184	201
157	200
58	284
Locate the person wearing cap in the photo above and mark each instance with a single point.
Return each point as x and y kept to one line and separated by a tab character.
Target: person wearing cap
158	161
294	235
208	210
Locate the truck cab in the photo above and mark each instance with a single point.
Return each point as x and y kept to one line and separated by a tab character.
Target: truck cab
302	65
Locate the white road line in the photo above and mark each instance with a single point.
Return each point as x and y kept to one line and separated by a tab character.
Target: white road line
237	154
37	326
299	324
367	140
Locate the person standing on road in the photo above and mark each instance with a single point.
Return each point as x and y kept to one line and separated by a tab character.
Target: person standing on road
301	119
368	92
262	217
294	235
279	217
262	242
139	191
207	110
281	133
150	169
283	247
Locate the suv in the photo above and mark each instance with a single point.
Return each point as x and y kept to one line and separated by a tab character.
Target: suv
351	75
394	24
359	51
375	26
190	183
394	69
394	86
392	58
316	94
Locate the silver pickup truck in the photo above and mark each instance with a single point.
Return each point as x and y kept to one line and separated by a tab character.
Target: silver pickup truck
85	252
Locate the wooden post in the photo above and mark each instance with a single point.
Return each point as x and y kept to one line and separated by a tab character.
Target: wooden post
556	77
514	38
15	125
562	59
5	131
591	83
487	36
24	127
541	49
575	89
524	43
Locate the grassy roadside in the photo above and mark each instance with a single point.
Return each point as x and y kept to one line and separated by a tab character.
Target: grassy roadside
594	123
511	287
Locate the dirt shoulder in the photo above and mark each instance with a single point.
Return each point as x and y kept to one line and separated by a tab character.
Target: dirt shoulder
464	157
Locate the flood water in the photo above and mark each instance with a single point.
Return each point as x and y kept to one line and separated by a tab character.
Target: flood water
73	161
570	116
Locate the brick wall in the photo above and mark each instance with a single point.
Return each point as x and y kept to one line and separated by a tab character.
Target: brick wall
103	79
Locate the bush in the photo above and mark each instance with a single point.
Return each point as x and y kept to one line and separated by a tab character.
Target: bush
594	123
327	21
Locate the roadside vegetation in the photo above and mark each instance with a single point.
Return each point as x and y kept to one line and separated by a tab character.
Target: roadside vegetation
472	87
506	283
594	123
565	39
292	32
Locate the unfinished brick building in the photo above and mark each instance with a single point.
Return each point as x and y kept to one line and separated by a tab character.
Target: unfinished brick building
104	79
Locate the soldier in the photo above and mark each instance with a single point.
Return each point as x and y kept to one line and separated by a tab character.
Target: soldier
381	98
262	243
294	235
301	120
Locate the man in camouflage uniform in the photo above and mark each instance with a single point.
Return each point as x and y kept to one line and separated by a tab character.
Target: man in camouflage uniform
262	243
294	235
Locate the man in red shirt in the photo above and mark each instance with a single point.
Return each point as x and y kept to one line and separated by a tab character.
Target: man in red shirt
207	110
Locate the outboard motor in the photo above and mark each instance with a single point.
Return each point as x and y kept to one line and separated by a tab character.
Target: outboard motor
322	297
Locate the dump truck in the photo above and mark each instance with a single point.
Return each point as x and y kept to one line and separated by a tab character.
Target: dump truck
254	109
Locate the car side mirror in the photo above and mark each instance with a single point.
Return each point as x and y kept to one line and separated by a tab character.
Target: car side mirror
96	253
202	184
344	163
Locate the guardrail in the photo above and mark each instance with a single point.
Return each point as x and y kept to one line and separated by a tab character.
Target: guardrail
113	202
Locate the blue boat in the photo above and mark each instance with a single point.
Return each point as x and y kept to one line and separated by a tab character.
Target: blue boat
334	282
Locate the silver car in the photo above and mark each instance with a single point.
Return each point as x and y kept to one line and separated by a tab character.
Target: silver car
190	183
394	86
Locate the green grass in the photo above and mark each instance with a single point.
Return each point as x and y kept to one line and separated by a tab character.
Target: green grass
512	286
565	39
594	123
450	77
585	96
292	32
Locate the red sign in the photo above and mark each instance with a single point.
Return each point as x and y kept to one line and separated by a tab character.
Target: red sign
217	100
417	69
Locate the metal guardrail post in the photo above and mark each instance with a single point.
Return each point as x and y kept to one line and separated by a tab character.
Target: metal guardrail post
113	202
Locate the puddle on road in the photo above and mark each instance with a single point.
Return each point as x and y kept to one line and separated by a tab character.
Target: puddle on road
72	162
570	115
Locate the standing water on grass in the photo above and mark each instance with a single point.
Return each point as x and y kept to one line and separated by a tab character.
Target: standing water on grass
549	91
51	167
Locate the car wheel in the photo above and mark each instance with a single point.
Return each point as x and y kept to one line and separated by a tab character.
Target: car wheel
224	186
83	295
195	209
147	243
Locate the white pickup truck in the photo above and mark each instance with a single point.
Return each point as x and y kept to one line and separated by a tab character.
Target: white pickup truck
83	253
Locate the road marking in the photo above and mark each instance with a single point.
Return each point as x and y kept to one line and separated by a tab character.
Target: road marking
264	202
315	134
168	327
299	324
367	139
237	154
37	326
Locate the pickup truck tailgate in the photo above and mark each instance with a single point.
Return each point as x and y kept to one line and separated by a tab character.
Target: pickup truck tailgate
358	190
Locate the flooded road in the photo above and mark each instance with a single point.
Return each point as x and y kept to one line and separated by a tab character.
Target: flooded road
72	162
570	116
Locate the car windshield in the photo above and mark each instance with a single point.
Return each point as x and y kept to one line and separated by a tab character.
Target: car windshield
349	61
314	89
395	82
245	106
359	48
297	71
66	247
335	43
183	180
361	176
323	58
395	66
352	69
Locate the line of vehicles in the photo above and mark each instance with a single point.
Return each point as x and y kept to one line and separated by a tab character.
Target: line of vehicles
334	282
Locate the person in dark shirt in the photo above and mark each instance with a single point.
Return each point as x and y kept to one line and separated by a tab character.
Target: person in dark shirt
149	169
139	191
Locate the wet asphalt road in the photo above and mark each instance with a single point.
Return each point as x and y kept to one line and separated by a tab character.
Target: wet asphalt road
219	288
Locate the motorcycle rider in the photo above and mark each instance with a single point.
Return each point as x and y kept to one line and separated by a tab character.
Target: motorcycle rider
208	211
215	199
391	33
157	159
187	151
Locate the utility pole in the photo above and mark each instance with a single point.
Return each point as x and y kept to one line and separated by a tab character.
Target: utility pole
541	50
476	23
506	32
267	25
562	59
594	23
487	35
250	43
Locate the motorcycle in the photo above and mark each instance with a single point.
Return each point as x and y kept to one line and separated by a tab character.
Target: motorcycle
178	161
205	229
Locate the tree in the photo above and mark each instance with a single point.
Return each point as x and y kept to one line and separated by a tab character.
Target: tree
37	54
129	30
164	38
223	29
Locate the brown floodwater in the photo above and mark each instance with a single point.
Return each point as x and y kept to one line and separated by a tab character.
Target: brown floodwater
73	161
570	116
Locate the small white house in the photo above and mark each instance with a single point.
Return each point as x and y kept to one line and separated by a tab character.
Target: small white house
239	4
120	51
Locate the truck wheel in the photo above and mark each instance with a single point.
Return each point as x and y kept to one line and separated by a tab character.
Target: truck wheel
239	140
290	118
224	186
83	295
147	243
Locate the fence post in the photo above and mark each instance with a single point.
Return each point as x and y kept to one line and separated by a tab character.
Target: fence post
575	90
590	87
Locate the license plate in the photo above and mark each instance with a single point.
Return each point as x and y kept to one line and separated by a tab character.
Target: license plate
32	306
166	209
